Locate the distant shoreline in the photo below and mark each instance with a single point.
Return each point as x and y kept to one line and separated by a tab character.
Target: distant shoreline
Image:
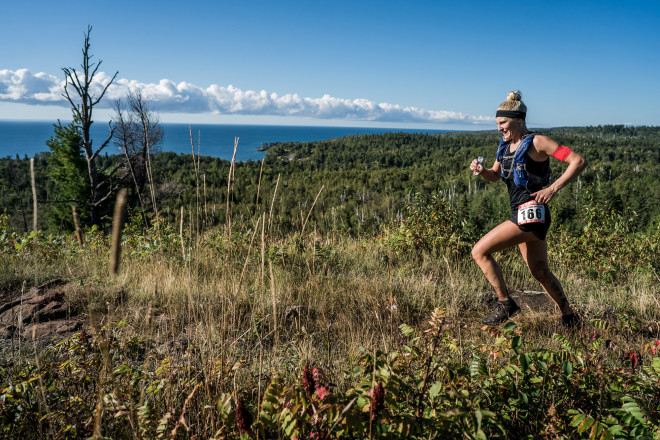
21	137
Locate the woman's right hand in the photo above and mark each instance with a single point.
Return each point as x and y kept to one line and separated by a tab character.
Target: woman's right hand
476	166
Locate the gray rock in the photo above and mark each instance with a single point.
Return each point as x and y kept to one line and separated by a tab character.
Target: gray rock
22	313
47	298
52	311
51	329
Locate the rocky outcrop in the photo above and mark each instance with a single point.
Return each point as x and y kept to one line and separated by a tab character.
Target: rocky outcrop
42	312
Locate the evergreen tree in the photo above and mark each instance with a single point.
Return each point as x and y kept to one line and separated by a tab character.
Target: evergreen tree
67	172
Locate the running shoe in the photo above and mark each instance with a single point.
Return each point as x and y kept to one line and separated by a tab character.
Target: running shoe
504	310
572	320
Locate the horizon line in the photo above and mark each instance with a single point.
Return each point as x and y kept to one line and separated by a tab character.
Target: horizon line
337	126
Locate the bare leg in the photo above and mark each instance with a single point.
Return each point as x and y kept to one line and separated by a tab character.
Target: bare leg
535	255
503	236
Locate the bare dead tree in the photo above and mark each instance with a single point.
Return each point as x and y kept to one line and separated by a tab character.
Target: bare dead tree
125	139
83	100
151	136
139	135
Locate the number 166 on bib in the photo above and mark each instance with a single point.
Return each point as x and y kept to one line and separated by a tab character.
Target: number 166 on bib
531	212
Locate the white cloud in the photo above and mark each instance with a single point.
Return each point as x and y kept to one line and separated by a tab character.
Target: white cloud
21	86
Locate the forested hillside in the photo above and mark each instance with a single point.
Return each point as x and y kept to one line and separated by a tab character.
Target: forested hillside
367	180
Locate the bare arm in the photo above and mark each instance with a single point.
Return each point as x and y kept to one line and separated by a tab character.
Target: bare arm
545	147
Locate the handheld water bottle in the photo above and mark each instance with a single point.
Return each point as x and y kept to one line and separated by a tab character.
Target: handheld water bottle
480	160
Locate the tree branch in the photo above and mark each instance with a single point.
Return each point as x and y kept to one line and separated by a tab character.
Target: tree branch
105	89
107	141
104	198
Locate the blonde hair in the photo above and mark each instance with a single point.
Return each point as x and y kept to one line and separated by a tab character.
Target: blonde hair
513	102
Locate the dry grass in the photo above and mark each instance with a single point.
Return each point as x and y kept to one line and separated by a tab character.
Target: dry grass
324	306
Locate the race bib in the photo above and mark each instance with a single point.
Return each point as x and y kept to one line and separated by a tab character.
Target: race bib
531	212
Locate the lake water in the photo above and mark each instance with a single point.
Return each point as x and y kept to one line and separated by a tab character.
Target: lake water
26	138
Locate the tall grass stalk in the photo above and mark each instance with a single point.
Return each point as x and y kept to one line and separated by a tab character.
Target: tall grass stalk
229	186
149	169
273	295
206	210
117	226
183	243
76	225
256	203
272	202
310	210
247	257
196	169
199	149
263	261
35	215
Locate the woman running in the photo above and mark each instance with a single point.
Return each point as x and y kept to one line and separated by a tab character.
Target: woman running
523	162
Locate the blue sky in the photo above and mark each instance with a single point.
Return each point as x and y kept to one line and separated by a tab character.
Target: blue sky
427	64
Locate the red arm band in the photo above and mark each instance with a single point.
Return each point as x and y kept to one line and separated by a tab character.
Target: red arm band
561	153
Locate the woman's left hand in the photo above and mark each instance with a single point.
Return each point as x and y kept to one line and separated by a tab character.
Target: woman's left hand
544	196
